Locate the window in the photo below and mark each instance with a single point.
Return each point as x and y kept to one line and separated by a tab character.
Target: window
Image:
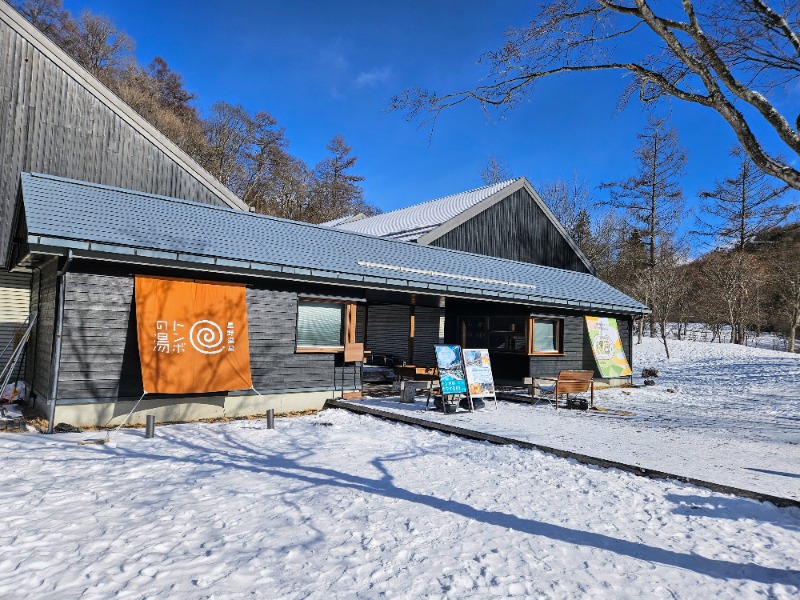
507	334
327	326
546	336
513	334
320	325
498	334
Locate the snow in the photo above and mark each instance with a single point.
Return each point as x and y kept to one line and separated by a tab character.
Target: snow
338	505
733	417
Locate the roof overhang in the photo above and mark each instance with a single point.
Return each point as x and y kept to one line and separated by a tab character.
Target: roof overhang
96	222
39	247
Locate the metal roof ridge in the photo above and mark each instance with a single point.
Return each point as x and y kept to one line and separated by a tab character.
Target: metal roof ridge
424	202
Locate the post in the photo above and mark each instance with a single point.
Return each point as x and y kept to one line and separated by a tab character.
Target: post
150	427
271	418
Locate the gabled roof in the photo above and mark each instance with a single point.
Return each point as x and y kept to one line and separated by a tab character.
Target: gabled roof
423	223
100	221
411	223
90	83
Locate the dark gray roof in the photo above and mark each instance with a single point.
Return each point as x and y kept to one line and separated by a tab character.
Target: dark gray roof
64	213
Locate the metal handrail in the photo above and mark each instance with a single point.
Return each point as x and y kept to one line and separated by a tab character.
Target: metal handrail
8	369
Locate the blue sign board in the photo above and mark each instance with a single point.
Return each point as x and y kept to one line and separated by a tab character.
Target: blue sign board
451	369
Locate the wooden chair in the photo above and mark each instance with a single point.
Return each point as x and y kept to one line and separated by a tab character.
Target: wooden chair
567	382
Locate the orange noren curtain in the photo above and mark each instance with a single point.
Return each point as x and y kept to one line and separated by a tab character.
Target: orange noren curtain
192	336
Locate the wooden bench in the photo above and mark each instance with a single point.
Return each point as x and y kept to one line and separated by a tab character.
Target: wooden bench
413	379
567	382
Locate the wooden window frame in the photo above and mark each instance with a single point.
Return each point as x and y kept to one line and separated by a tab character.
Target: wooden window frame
557	337
350	321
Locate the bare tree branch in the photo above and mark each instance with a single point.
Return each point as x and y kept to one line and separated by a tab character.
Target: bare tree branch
739	51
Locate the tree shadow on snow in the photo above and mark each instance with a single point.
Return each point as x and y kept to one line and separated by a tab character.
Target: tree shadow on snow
235	454
732	508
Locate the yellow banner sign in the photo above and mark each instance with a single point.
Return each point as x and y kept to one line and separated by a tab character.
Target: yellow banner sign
192	336
607	347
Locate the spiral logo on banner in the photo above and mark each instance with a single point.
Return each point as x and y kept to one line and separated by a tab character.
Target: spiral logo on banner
206	337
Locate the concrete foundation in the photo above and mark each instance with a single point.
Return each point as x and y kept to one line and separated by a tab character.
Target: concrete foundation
170	410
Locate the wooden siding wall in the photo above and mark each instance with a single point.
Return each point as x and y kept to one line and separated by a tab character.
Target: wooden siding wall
575	343
426	335
511	368
40	350
517	229
100	357
272	322
15	300
388	326
578	349
50	122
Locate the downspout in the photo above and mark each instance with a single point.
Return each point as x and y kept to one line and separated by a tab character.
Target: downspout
56	361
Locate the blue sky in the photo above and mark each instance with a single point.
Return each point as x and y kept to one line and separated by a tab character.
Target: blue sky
323	68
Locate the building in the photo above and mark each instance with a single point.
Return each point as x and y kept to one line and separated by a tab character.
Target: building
311	292
505	220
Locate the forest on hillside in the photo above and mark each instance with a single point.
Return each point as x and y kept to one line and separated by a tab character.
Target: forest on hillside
736	264
248	151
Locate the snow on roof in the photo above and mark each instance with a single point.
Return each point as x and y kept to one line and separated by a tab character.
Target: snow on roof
410	223
344	219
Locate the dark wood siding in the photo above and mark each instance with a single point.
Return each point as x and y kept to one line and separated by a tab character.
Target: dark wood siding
388	326
272	323
625	325
40	349
426	335
100	357
517	229
575	343
51	122
512	368
577	348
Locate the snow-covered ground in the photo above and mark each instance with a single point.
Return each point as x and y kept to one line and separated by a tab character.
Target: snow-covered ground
338	505
732	417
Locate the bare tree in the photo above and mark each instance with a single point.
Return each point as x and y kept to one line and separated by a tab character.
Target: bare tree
287	192
494	171
736	278
99	45
668	292
651	200
243	148
48	16
781	248
731	56
597	232
787	279
744	206
567	199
